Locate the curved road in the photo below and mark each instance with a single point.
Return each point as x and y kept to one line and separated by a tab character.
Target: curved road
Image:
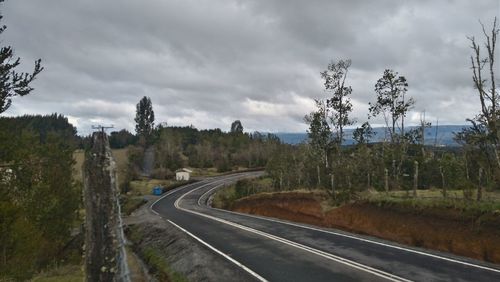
274	250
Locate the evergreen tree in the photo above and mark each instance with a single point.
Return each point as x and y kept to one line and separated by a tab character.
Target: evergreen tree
144	118
13	83
236	127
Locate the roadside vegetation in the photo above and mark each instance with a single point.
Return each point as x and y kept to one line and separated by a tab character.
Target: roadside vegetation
225	197
404	162
39	198
154	258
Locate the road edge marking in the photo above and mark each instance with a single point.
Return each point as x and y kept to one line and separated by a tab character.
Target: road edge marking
169	193
242	266
338	259
357	238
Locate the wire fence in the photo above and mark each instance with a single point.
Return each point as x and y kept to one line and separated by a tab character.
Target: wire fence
123	269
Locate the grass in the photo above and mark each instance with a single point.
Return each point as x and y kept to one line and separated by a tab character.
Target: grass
438	193
198	172
155	259
224	197
433	199
130	204
66	273
145	186
120	156
121	159
212	171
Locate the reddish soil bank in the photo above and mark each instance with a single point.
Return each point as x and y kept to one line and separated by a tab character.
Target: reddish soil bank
439	229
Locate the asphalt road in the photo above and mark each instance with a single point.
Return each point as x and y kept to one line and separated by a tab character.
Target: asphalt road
276	250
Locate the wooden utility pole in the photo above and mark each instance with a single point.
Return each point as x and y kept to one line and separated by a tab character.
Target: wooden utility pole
101	212
441	171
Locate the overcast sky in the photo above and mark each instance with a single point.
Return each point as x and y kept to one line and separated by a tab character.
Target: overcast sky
207	63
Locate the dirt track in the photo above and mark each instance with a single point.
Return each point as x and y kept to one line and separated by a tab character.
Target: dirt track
442	230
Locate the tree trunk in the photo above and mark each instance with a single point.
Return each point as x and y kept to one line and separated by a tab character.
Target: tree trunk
369	180
281	180
349	185
394	172
415	180
480	186
497	158
466	168
332	178
386	178
319	175
442	181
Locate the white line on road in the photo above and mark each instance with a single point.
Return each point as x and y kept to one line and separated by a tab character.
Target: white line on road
237	263
359	239
251	272
169	193
186	186
329	256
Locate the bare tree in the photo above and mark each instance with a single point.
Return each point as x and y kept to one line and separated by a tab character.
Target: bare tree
340	103
486	88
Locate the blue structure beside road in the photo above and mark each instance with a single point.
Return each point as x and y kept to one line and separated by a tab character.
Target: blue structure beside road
158	190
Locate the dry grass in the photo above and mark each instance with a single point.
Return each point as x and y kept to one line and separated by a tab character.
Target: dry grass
433	198
430	194
67	273
121	159
136	270
120	156
198	172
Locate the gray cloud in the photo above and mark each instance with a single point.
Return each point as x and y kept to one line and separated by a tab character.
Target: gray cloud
207	63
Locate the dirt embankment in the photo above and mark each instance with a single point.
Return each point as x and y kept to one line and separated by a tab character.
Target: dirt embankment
439	229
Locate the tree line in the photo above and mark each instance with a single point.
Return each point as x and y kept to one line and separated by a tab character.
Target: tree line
176	147
402	161
39	199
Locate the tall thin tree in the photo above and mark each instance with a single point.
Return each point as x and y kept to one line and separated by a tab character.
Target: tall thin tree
144	118
486	88
339	103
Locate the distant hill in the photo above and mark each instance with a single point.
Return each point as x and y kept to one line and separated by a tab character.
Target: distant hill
443	136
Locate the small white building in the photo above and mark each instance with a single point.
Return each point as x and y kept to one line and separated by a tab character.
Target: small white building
182	174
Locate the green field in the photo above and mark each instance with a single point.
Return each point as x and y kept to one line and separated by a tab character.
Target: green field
120	156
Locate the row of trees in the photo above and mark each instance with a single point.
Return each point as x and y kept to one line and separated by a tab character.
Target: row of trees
39	199
176	147
402	161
